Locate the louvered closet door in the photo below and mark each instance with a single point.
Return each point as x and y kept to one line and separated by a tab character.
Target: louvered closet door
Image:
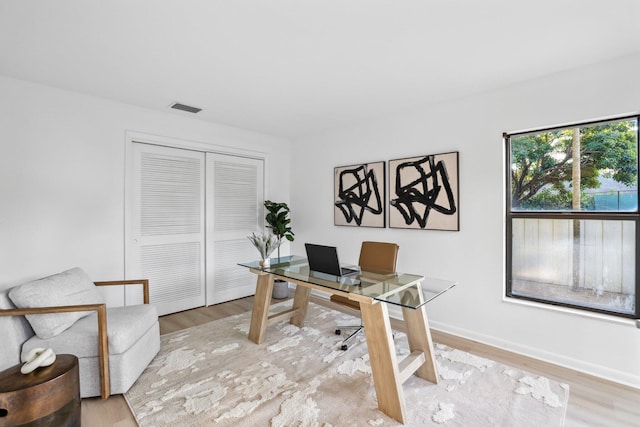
166	241
235	196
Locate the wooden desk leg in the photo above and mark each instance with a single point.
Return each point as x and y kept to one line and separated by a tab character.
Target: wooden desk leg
300	302
419	338
382	356
260	312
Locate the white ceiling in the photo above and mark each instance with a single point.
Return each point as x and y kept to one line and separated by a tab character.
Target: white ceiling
295	67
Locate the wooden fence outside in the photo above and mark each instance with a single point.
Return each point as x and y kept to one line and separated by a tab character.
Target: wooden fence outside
543	251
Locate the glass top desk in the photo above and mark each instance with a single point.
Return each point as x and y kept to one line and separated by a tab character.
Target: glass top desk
373	291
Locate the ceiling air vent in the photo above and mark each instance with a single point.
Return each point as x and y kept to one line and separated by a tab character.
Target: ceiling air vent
188	108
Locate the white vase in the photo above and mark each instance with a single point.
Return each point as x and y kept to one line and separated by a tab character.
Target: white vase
265	263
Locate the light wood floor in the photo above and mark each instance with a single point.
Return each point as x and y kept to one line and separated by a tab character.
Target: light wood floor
592	401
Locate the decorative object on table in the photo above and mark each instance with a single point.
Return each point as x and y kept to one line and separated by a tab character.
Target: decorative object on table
359	197
298	376
278	222
265	244
36	358
423	192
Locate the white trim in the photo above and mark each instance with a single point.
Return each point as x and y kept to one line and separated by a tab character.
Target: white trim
623	321
600	371
613	117
134	136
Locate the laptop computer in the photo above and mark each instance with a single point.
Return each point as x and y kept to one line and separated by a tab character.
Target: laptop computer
324	259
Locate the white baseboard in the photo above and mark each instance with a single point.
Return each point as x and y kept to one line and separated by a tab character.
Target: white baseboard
545	356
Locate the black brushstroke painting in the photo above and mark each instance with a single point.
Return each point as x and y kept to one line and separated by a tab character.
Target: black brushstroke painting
359	197
422	188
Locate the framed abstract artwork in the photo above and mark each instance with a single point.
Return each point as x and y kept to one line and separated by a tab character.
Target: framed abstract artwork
359	197
423	192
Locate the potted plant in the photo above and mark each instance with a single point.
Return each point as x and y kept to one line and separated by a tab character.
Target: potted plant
278	222
265	244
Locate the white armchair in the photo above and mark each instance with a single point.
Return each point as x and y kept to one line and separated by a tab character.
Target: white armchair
65	312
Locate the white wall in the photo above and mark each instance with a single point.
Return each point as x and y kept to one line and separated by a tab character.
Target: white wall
62	196
474	256
62	171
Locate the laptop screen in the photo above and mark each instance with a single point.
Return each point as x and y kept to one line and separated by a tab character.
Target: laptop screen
324	259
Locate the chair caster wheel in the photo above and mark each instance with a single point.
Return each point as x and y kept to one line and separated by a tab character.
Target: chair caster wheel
343	347
338	331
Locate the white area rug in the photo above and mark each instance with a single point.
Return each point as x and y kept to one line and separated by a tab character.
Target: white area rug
299	377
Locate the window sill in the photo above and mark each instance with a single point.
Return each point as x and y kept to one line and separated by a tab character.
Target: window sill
574	312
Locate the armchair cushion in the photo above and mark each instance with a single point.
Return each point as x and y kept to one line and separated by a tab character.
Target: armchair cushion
125	326
15	331
71	287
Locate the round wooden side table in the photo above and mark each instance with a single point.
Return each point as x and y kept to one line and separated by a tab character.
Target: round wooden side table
48	396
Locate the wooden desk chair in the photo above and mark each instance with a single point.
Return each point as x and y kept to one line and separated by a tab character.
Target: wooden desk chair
377	257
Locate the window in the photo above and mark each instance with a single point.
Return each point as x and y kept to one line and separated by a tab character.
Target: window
572	216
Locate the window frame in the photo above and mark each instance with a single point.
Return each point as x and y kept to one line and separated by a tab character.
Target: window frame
510	215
